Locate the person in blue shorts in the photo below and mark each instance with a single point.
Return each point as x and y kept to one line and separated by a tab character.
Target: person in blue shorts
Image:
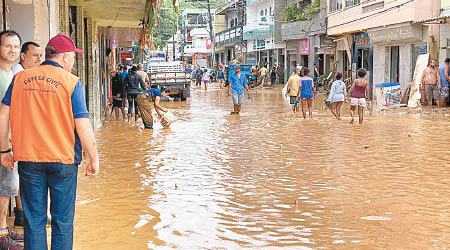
306	92
221	76
444	72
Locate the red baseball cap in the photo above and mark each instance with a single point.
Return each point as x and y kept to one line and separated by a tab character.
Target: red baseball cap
63	44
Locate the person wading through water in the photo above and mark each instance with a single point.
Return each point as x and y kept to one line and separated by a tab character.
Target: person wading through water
132	83
236	88
144	101
360	95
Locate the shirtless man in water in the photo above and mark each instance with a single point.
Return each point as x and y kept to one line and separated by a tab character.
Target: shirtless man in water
431	82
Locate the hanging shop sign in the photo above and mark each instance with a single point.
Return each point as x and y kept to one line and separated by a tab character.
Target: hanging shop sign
362	41
304	46
208	43
325	41
114	44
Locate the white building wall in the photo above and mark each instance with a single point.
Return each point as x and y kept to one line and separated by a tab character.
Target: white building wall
444	52
405	66
254	10
379	64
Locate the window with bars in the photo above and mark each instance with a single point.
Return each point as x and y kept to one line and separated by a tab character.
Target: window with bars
335	5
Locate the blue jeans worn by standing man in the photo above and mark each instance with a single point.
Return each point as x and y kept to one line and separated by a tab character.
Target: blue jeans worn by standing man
36	179
132	103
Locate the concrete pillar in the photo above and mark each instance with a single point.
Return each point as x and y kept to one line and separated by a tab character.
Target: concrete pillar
405	74
340	60
379	65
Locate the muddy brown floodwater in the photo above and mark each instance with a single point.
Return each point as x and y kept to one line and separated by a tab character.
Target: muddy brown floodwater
268	180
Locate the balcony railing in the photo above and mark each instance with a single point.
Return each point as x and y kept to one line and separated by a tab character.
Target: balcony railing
229	36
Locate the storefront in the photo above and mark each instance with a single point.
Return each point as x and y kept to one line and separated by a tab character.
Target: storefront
362	56
260	51
395	49
361	52
344	56
325	54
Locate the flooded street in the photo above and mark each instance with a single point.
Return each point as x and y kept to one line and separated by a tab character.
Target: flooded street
269	180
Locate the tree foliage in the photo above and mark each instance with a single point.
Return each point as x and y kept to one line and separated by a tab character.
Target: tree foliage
166	27
300	12
201	4
167	18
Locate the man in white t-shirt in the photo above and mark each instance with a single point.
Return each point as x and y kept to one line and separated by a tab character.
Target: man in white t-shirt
143	75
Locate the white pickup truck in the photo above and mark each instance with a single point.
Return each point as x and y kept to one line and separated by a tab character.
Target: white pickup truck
172	76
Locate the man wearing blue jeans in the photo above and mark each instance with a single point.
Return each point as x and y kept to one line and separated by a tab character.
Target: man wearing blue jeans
236	88
46	109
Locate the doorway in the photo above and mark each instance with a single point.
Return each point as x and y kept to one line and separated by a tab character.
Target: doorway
395	64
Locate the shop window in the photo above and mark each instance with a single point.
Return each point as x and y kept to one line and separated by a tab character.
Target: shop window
350	3
395	63
335	5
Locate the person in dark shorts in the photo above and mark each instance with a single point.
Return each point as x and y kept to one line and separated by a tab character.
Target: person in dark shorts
273	76
292	89
117	94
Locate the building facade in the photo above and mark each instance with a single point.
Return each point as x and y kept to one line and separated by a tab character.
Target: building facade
92	29
259	33
384	37
229	43
306	42
198	49
195	29
444	23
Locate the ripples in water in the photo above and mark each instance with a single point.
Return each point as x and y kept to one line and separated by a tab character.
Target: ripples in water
269	180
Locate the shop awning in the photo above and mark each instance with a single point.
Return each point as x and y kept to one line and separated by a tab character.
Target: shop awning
444	14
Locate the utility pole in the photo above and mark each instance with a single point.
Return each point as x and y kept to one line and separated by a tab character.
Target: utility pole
173	47
173	38
211	35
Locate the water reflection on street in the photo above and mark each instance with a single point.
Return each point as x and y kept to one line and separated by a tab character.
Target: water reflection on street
269	180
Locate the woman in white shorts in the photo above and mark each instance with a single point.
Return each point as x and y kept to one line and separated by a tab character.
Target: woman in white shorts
360	92
337	95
